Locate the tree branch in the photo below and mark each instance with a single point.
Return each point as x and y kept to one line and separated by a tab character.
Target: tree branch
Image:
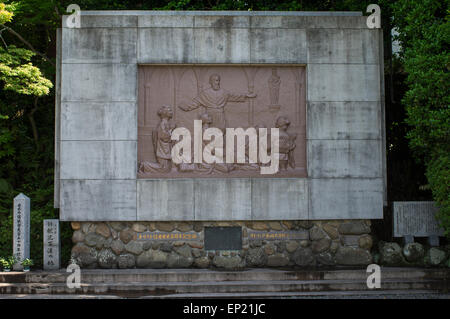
33	123
28	44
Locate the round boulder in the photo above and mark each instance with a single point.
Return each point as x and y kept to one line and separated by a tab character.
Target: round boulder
413	252
391	254
436	256
126	261
346	255
303	257
256	257
107	259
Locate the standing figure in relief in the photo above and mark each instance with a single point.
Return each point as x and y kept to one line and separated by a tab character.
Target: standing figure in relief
162	143
274	87
213	101
286	144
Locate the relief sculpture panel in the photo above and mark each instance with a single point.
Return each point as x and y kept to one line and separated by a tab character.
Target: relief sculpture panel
222	97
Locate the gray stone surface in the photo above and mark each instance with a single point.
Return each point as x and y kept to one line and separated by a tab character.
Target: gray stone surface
97	121
98	82
415	219
98	98
344	120
52	244
99	45
166	45
280	199
343	82
274	46
344	158
223	199
165	21
169	199
21	229
213	45
98	200
342	46
98	160
353	198
57	117
122	20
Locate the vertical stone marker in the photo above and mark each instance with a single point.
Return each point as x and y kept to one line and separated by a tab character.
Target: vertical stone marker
21	231
51	244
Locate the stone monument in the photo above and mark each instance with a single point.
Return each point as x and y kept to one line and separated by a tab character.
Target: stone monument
128	81
416	219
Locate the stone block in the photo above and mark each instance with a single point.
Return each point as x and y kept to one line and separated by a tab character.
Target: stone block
341	198
223	199
416	219
353	256
98	159
168	199
165	21
99	121
52	247
279	199
213	45
98	200
166	45
105	21
344	158
99	82
21	229
278	46
344	120
343	46
225	22
99	45
343	82
317	21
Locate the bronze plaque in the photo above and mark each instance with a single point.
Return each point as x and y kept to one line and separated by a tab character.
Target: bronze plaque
221	97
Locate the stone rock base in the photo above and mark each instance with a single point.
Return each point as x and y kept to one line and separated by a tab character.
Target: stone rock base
117	245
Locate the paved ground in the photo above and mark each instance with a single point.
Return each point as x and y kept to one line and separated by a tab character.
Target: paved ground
320	295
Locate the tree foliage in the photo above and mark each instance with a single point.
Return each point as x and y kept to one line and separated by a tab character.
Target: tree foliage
18	74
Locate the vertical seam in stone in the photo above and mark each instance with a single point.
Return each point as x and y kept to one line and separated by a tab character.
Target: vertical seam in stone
251	198
194	193
195	47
